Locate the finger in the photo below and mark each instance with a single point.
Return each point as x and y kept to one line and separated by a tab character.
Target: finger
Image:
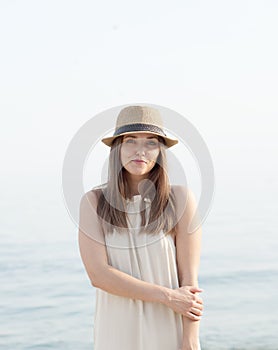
197	306
192	316
199	300
196	311
196	299
196	289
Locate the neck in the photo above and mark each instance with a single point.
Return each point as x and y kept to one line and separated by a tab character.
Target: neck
133	182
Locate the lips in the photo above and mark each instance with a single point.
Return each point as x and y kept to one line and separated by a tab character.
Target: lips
139	161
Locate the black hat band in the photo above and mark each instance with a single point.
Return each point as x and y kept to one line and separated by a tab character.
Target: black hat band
139	127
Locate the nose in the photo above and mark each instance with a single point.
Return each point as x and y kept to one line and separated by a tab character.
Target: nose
140	151
140	148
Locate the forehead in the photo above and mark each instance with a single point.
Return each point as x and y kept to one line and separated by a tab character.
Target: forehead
136	135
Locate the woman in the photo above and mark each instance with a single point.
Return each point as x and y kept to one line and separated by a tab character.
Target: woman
135	245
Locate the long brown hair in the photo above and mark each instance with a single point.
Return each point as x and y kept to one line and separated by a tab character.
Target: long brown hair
112	196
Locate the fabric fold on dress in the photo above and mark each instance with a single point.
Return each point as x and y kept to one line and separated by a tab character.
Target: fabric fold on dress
122	323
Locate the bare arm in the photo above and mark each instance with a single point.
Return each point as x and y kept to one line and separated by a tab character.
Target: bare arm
188	257
112	280
94	257
106	277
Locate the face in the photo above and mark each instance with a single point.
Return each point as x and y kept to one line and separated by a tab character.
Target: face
139	152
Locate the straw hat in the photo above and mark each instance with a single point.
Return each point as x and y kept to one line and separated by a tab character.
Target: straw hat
139	119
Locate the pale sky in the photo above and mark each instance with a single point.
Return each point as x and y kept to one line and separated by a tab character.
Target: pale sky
62	62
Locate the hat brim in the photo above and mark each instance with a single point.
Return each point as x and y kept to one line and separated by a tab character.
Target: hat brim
168	141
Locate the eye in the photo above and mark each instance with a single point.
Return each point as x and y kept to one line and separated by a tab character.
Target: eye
152	143
129	141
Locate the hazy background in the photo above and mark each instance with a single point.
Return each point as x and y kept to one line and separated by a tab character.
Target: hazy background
62	62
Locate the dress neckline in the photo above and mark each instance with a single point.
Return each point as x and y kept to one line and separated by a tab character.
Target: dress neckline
137	198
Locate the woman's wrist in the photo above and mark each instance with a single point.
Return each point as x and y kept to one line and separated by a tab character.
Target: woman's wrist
191	344
164	295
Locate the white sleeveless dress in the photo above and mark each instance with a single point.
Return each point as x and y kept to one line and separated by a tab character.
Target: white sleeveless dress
122	323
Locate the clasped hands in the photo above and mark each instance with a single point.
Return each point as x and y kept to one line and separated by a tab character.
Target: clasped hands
183	300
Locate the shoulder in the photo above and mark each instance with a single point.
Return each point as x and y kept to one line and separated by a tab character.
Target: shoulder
92	196
89	221
182	193
185	202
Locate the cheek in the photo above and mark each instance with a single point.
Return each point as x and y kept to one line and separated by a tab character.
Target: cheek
154	156
125	156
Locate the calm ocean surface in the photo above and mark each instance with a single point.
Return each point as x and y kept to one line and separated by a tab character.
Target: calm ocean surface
47	301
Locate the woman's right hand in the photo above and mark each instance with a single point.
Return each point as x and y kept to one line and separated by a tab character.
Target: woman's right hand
183	300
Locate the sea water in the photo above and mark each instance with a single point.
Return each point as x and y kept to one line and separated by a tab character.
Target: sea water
47	301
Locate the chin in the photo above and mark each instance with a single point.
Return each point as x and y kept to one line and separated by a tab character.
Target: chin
137	173
132	172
